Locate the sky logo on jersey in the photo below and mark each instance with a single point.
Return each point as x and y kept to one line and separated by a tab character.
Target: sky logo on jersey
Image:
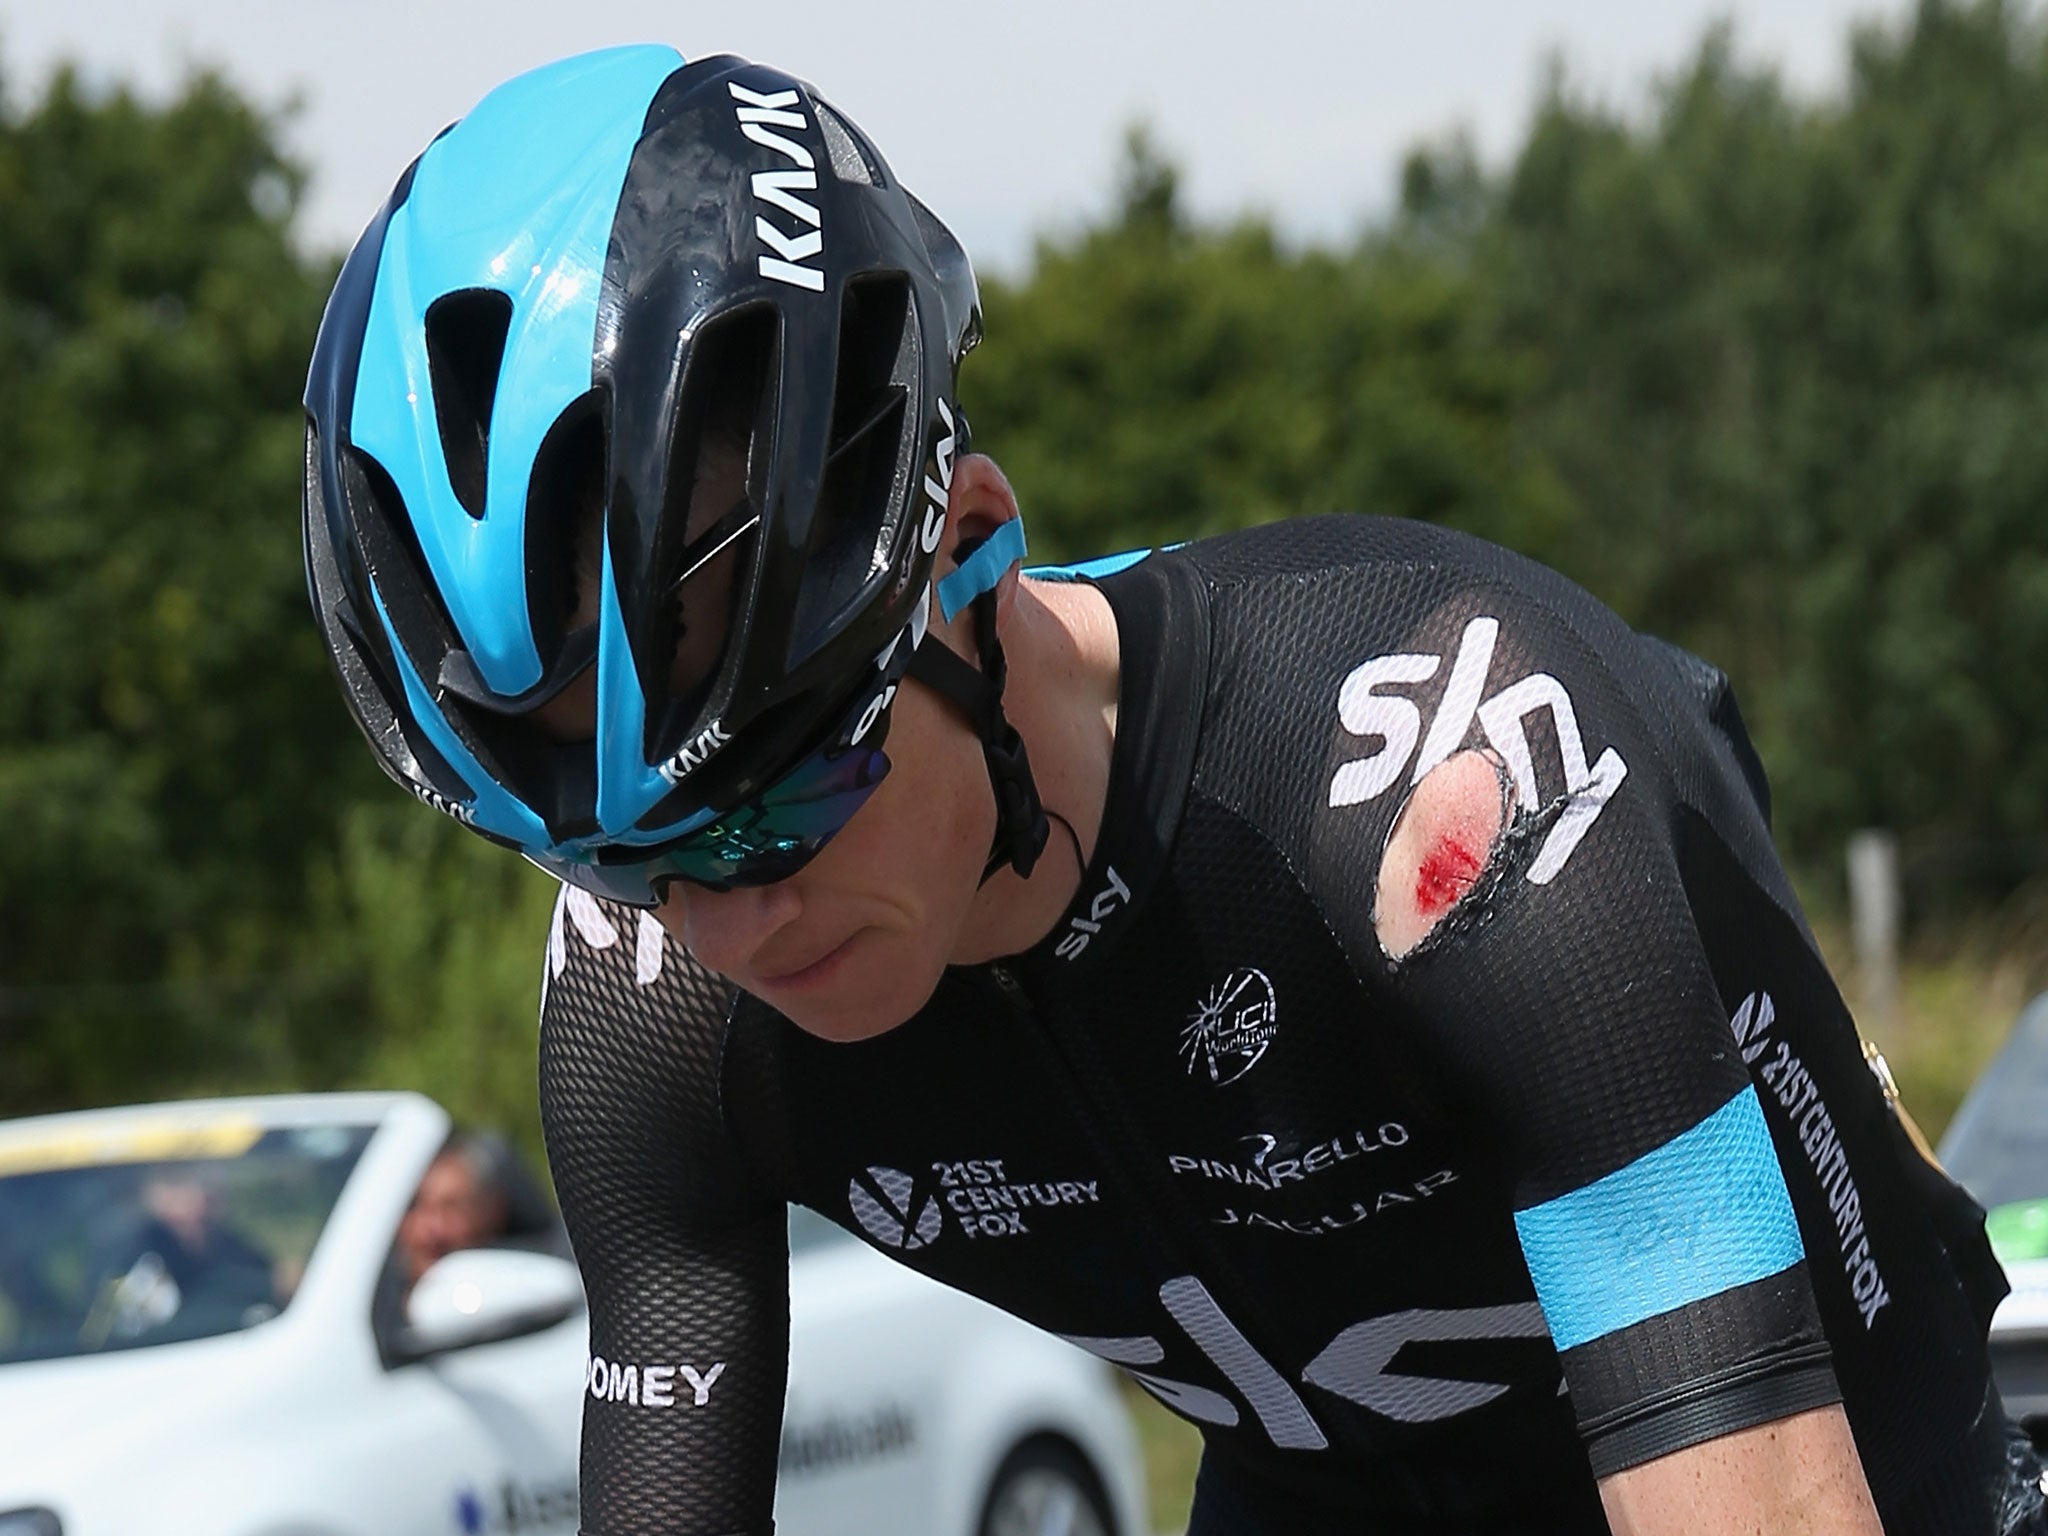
1358	1364
1397	721
1081	929
578	910
1232	1026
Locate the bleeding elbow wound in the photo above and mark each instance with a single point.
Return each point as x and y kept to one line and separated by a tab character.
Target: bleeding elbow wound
1443	843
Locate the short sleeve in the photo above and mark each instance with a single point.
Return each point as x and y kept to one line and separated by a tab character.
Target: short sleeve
1569	997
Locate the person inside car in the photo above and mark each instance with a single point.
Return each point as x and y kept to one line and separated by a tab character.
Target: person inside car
460	1203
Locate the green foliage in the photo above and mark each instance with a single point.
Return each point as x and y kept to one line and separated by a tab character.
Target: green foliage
170	742
1792	365
1767	374
1153	382
429	943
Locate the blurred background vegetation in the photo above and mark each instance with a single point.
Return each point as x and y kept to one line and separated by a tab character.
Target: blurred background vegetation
1768	374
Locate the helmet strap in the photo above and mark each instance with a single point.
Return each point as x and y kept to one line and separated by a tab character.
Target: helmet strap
977	692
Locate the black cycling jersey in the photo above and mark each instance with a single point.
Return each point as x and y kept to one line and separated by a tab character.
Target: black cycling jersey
1596	1172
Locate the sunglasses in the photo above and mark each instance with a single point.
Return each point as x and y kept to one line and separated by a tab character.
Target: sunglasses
766	838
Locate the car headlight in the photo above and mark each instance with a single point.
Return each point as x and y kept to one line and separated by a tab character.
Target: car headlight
30	1522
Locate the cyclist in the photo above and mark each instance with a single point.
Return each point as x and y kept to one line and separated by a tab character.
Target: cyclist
1371	1011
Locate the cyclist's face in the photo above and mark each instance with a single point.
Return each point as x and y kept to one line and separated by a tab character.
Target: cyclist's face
854	943
451	1209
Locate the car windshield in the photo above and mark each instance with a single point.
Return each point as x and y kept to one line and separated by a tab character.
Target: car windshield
808	1232
1997	1147
149	1232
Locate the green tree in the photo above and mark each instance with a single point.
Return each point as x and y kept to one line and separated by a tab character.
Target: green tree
1153	380
1790	369
169	742
1767	374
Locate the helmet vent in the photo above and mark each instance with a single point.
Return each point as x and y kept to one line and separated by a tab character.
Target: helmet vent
853	531
850	160
397	566
466	333
706	544
565	516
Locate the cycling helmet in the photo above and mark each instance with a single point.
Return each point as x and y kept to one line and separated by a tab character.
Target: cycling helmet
617	274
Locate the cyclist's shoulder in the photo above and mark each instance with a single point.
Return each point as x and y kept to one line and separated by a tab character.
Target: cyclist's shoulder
617	964
635	1033
1358	544
1326	586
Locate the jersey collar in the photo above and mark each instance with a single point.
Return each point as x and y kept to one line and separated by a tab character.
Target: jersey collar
1162	618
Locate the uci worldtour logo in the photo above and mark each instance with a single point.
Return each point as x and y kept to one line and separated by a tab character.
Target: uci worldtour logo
1231	1027
759	115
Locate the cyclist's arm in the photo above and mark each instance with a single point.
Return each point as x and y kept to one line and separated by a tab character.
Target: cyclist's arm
1572	1004
1799	1476
686	1264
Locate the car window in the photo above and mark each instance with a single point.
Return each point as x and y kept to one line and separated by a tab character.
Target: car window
808	1231
1997	1146
476	1193
157	1231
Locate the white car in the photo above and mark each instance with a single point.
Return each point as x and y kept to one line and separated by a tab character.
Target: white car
1997	1147
201	1332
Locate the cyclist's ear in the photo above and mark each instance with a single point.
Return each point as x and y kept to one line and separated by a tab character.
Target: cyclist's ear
980	502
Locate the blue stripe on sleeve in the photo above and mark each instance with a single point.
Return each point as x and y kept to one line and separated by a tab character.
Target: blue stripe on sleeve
1702	1214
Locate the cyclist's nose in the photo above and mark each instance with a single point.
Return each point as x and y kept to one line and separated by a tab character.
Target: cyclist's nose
726	930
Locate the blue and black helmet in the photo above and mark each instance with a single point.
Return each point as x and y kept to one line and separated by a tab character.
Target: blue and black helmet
615	270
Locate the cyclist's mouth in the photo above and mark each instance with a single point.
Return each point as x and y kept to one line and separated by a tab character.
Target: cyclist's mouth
814	973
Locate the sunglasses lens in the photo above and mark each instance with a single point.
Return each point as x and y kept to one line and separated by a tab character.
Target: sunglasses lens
782	829
627	883
768	838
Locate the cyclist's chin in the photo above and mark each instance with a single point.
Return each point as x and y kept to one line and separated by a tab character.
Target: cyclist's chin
862	989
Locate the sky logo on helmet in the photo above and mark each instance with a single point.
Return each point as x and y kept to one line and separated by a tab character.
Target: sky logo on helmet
759	116
940	491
